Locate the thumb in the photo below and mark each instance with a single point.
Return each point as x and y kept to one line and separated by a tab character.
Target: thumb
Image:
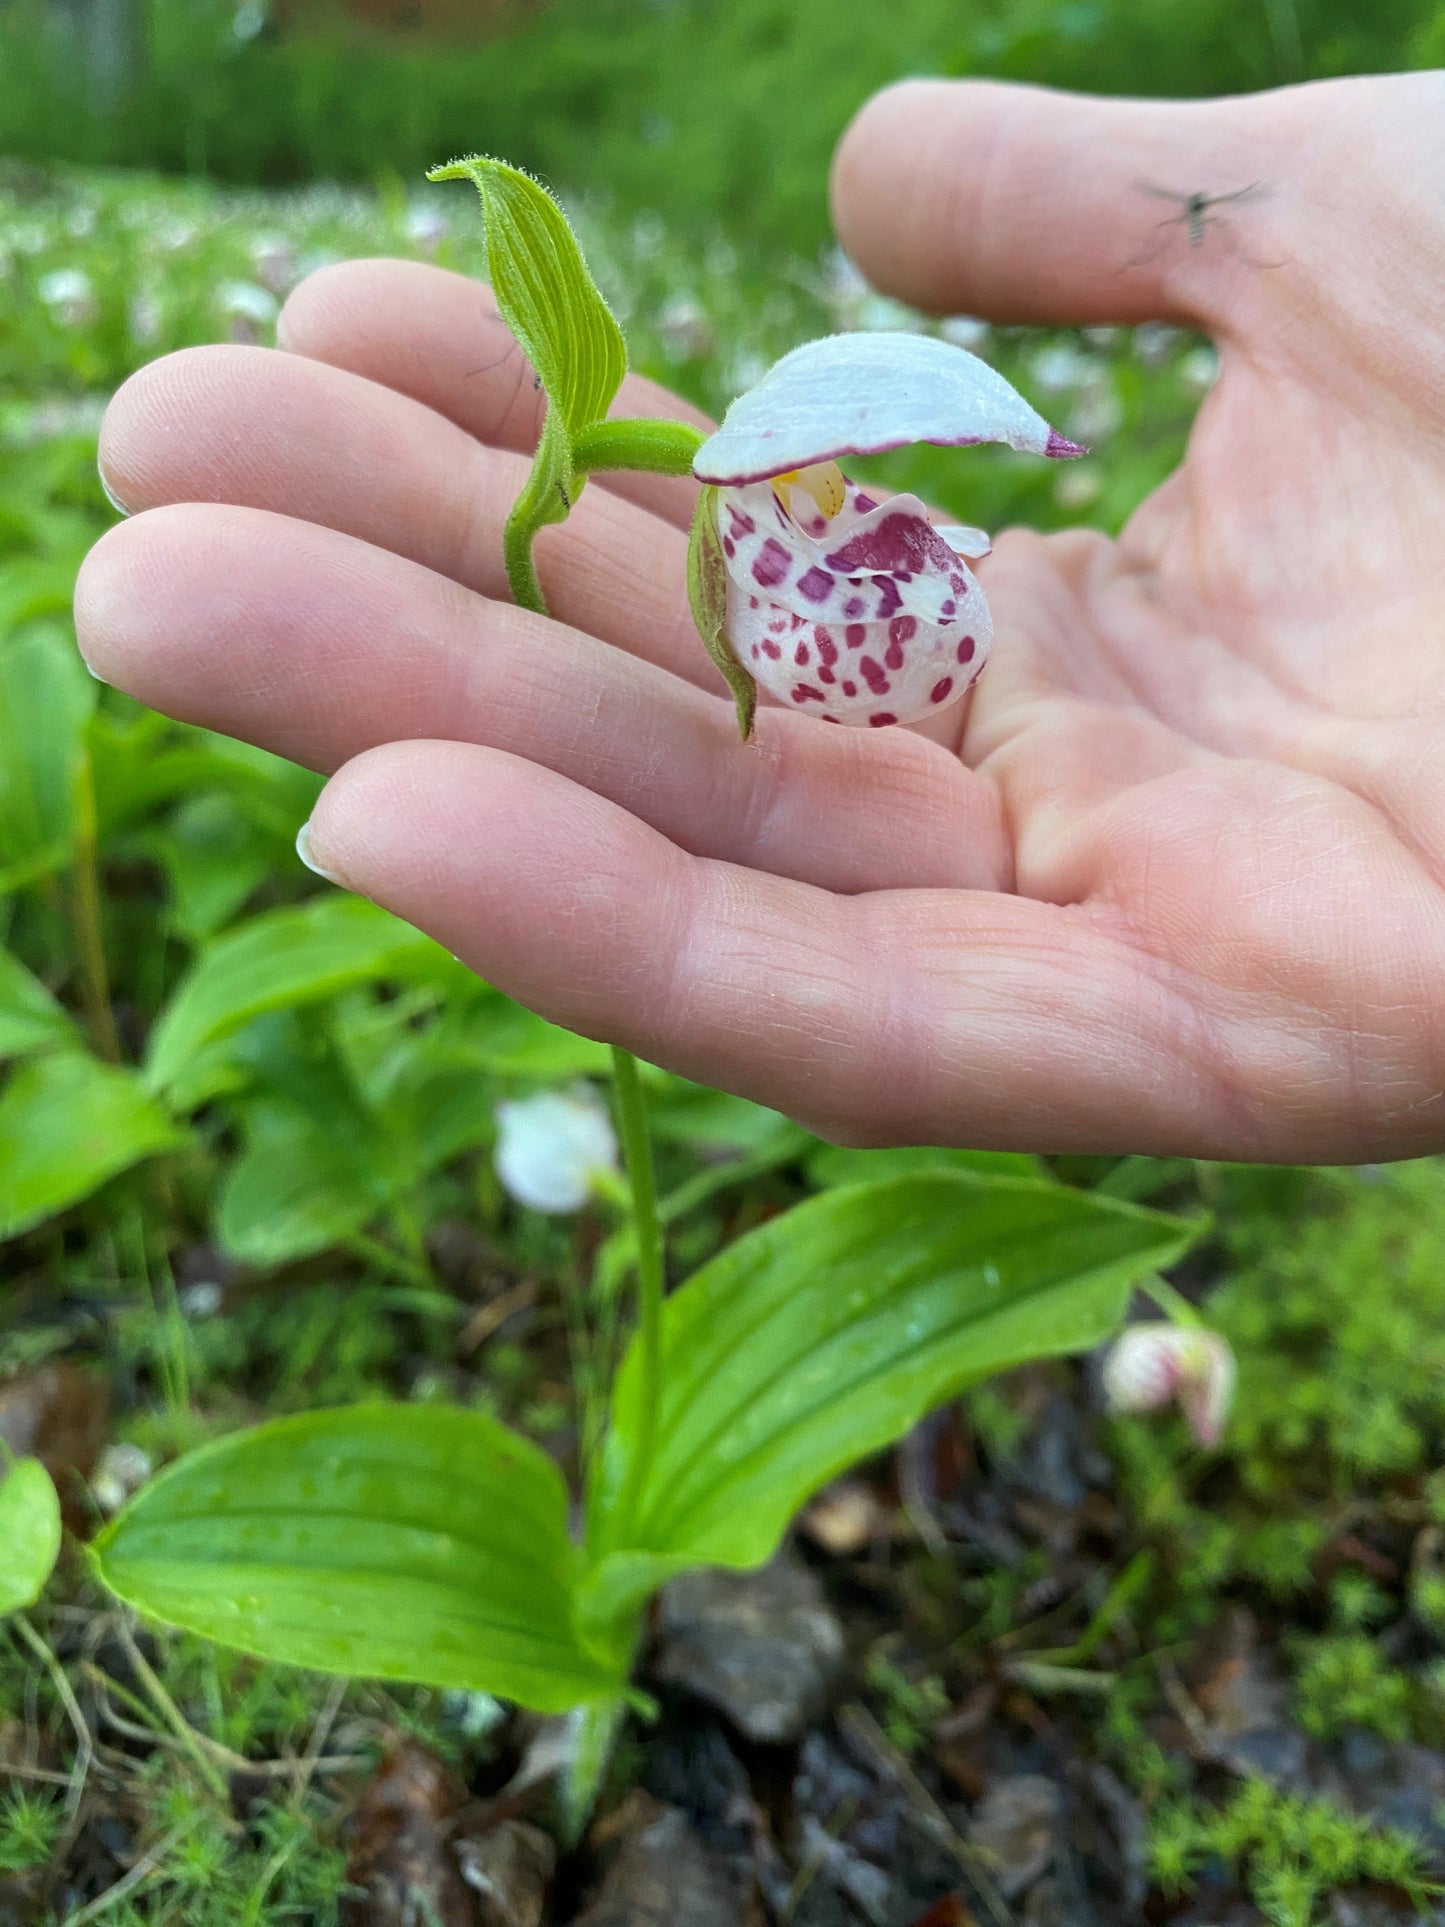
1022	204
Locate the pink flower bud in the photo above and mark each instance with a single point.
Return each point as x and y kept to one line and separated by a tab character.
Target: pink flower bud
1155	1363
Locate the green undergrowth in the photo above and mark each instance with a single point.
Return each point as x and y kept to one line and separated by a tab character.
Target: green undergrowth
676	107
1292	1853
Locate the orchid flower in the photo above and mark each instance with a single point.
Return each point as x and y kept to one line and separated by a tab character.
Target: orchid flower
553	1148
856	609
1154	1363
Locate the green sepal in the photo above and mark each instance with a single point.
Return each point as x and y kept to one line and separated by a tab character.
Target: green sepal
707	588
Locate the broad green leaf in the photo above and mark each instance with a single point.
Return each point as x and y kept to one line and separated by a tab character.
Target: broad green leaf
826	1334
834	1164
411	1542
298	1188
279	959
29	1533
30	1018
67	1124
46	698
544	291
501	1036
214	856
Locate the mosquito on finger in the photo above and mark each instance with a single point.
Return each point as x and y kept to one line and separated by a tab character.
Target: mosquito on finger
1196	217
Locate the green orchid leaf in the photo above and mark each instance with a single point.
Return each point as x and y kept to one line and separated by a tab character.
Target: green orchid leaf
707	593
299	1187
30	1018
272	962
544	291
831	1164
67	1124
29	1533
46	700
826	1334
407	1542
567	331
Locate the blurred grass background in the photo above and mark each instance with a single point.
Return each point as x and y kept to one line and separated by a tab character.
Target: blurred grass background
703	111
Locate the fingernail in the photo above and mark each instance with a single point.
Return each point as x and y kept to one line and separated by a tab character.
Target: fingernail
110	494
90	667
303	850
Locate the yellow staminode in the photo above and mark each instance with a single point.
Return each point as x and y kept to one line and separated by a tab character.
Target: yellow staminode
823	482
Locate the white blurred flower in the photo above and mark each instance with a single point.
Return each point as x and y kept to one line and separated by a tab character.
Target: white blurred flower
68	293
1059	366
685	328
1155	1363
246	298
1078	486
1200	367
201	1300
881	314
1097	411
1154	342
123	1469
424	225
249	19
250	308
146	318
273	262
965	331
551	1148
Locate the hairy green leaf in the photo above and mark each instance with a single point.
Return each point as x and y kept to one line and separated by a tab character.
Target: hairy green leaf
827	1333
67	1124
29	1533
279	959
412	1542
544	291
30	1018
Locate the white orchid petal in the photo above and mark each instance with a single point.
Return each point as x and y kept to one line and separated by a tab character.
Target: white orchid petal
551	1148
1155	1362
973	543
859	394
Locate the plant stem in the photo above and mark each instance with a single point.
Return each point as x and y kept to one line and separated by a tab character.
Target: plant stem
517	539
523	524
637	1151
660	447
1175	1306
85	918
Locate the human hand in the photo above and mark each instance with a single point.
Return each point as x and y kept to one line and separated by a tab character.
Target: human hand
1173	882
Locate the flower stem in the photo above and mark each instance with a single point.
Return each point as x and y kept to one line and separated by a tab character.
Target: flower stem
528	516
637	1152
659	447
517	539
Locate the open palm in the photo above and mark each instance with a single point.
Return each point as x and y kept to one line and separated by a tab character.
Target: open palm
1181	885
